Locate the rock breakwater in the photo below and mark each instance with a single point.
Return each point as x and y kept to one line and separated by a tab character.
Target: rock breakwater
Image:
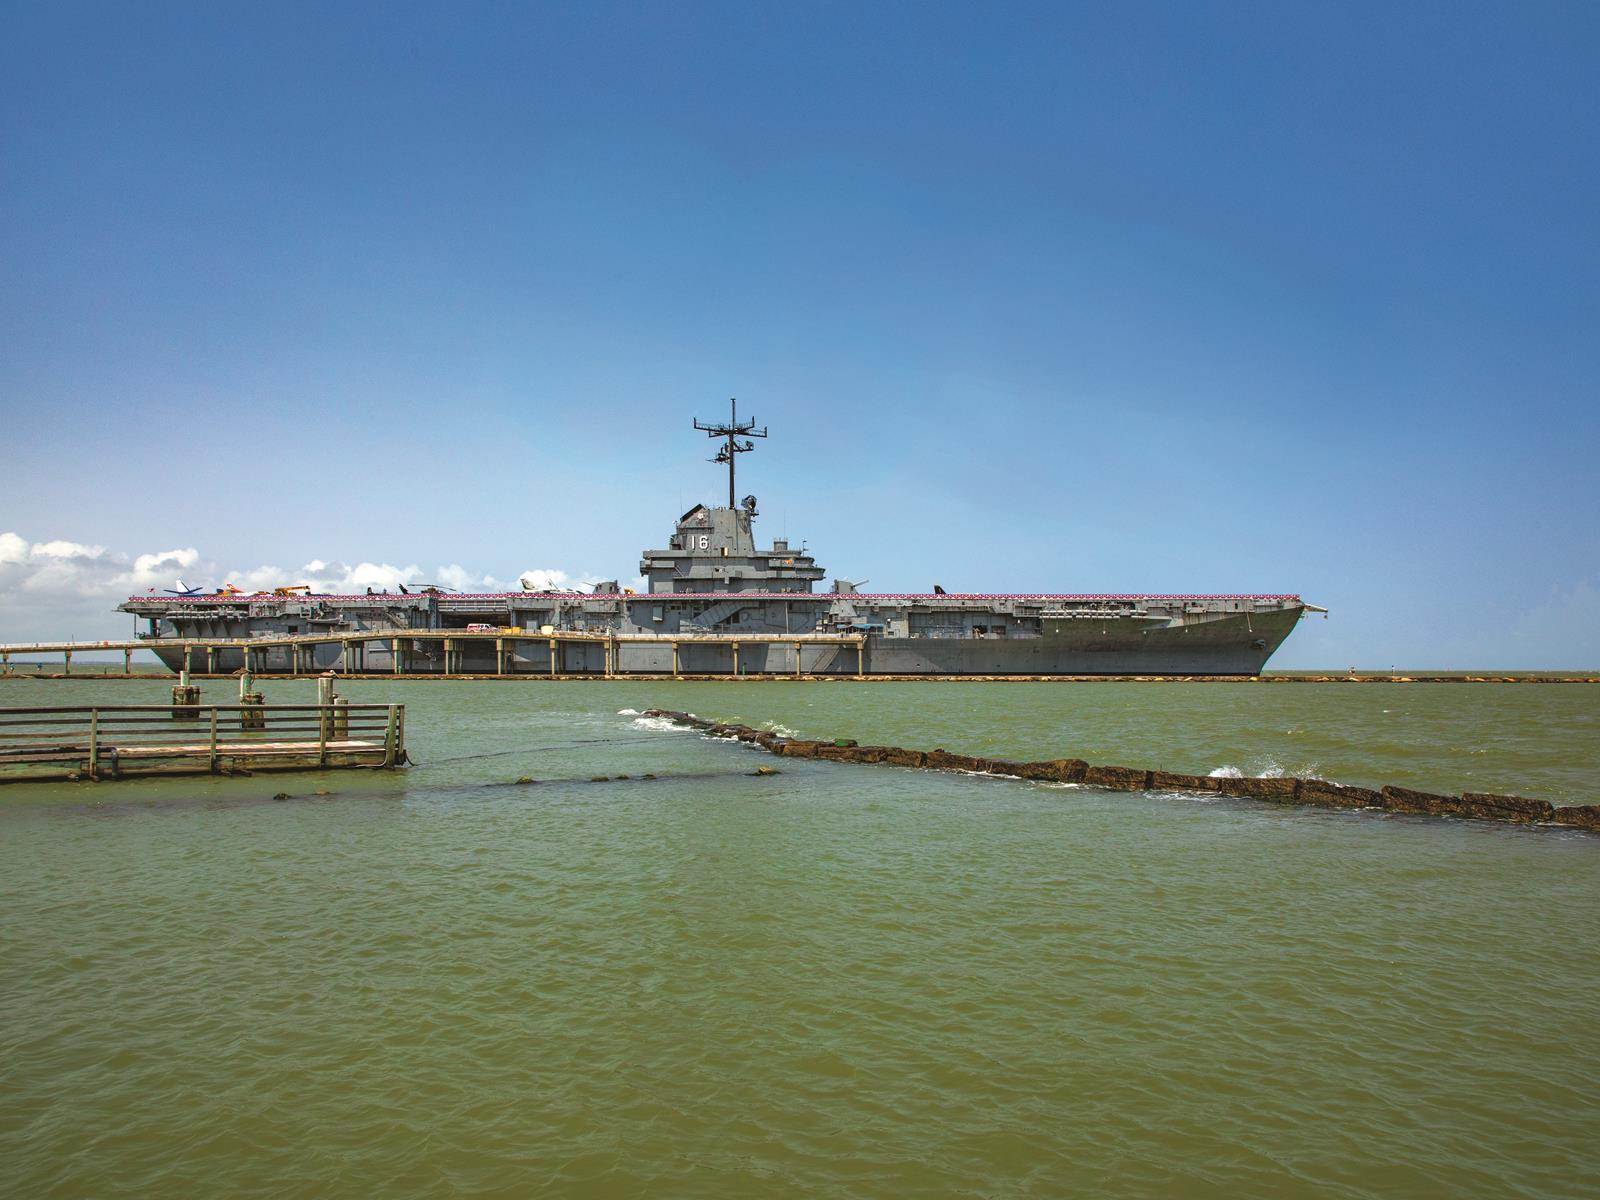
1286	790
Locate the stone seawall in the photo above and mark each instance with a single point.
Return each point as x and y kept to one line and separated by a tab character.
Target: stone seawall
1481	806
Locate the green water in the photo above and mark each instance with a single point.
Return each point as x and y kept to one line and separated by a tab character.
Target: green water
837	980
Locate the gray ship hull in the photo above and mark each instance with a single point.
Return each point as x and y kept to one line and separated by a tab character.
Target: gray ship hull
1235	644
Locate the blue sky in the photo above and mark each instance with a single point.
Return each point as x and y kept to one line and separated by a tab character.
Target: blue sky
1082	298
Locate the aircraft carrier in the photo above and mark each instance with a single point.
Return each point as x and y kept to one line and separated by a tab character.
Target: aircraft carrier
714	602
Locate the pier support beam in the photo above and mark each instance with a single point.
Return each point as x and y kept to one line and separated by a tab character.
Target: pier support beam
325	698
797	660
251	713
185	697
736	660
675	671
394	656
127	662
555	657
66	662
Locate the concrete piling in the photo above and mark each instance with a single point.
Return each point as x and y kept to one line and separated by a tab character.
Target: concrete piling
185	698
252	710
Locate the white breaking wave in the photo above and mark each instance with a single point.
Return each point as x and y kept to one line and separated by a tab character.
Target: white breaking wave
660	724
627	712
780	730
1271	771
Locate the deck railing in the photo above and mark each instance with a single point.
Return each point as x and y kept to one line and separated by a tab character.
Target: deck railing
102	732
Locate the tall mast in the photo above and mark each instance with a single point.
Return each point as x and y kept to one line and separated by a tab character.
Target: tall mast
732	431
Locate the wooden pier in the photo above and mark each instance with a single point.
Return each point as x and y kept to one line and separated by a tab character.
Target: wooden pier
129	740
441	653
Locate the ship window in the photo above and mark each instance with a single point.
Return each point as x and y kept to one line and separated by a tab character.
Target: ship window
724	552
658	613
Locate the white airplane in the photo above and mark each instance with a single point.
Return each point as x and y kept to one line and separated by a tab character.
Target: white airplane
184	591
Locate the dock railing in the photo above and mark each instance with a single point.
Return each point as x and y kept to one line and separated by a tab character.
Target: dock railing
203	737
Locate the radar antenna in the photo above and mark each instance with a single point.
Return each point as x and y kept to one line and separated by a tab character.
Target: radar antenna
733	430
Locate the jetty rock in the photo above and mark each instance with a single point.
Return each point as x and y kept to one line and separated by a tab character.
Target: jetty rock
1279	789
1055	770
1167	781
1338	795
1117	779
1490	807
1582	816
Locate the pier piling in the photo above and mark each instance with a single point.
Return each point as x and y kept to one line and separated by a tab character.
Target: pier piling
185	698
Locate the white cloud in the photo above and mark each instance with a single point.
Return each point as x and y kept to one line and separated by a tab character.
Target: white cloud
53	590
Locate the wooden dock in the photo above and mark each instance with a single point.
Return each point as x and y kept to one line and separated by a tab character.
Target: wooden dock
444	651
125	741
441	654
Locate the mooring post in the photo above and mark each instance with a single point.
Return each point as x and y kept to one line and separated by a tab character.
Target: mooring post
252	712
324	713
394	656
391	737
797	660
66	662
185	696
555	658
211	660
675	671
213	759
500	656
127	661
736	660
94	743
861	649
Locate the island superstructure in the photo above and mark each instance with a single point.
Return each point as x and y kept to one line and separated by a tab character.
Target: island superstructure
709	588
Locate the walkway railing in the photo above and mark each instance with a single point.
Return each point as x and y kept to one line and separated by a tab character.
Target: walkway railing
110	740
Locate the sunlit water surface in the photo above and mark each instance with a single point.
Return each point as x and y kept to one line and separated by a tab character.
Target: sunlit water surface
836	980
